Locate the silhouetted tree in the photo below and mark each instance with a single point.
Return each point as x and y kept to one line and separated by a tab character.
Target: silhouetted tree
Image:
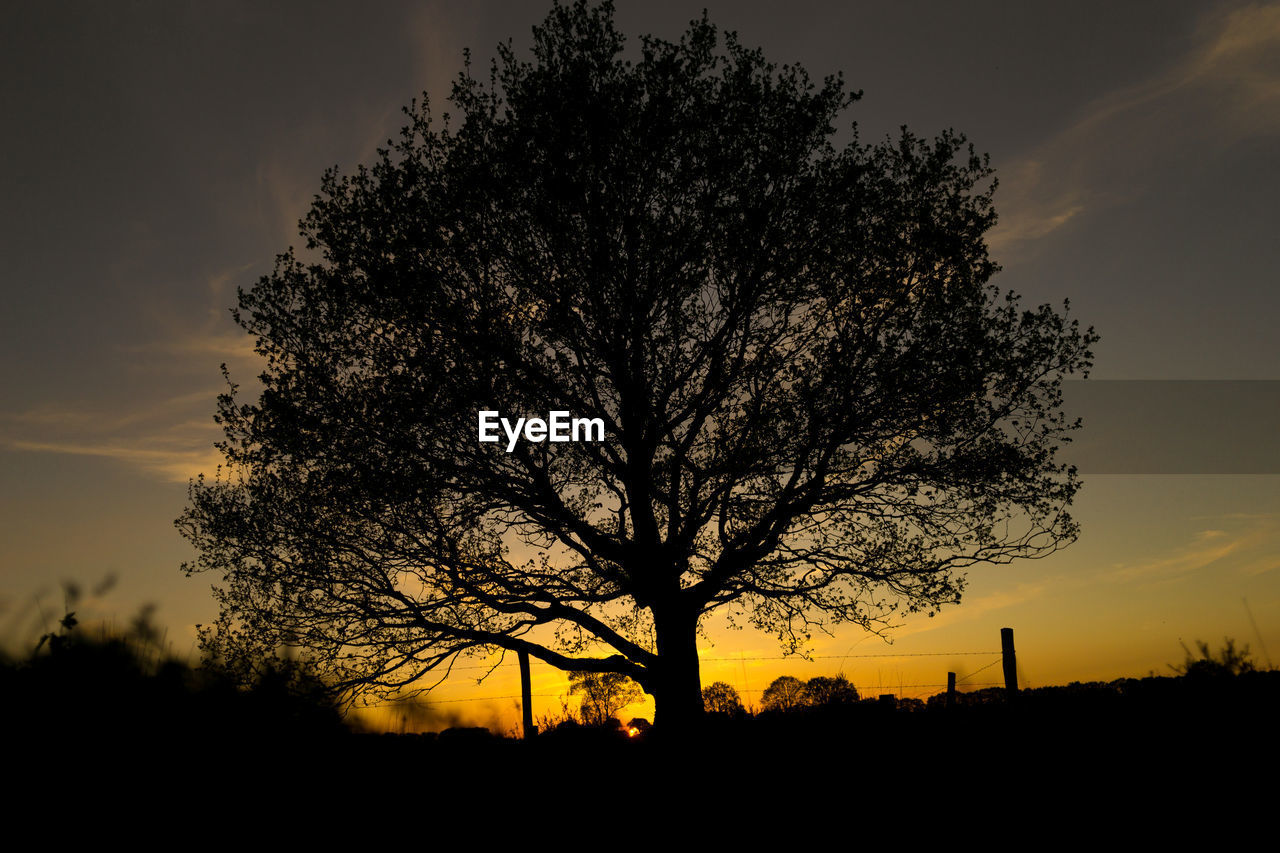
604	694
720	696
816	406
786	693
827	691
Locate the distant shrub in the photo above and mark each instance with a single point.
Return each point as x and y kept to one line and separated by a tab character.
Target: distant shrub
1229	661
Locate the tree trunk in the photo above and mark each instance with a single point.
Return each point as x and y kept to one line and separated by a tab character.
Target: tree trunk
677	689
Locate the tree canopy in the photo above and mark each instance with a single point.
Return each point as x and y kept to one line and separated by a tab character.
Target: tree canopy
721	697
604	694
784	693
816	407
829	691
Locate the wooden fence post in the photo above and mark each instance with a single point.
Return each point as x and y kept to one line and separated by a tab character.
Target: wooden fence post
1010	662
526	696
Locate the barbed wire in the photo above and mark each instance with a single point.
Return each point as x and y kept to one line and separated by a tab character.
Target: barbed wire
795	658
976	671
426	705
843	657
888	688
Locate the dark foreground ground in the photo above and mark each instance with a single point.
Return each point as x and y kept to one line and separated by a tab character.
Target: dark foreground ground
1167	747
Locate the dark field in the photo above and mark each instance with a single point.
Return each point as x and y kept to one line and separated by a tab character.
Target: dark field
89	722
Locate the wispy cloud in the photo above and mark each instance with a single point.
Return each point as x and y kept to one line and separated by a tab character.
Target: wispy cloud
172	438
1250	549
207	336
226	347
1243	545
971	609
1227	88
154	427
71	419
172	463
